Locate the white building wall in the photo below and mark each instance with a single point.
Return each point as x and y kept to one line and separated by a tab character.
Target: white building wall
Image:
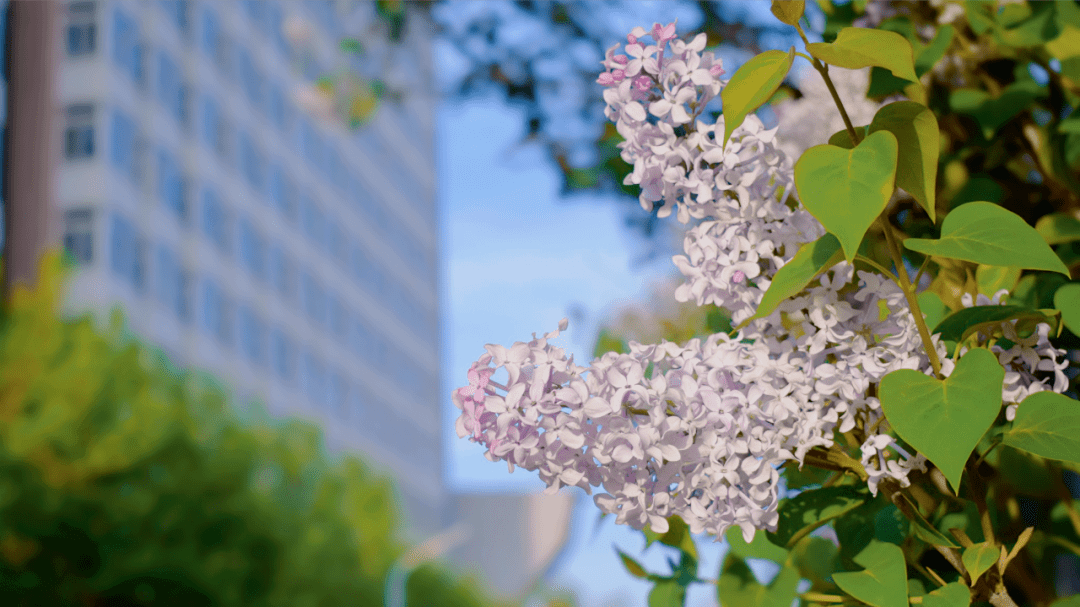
383	201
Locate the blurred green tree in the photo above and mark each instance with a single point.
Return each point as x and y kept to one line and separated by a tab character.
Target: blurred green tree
126	481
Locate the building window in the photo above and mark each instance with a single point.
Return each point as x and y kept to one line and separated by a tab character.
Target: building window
251	162
284	356
313	221
79	134
216	310
313	299
339	395
180	11
128	252
172	186
339	319
282	272
210	32
170	90
252	335
81	29
166	276
335	240
313	379
216	221
122	143
278	106
283	193
251	79
79	235
252	249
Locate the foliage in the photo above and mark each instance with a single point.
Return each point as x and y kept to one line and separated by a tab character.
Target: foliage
126	481
990	156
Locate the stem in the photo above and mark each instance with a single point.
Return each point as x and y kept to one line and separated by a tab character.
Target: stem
994	442
824	71
977	489
822	598
877	266
922	268
909	294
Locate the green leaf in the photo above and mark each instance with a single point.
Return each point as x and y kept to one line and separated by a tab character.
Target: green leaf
944	420
632	565
842	139
738	586
980	15
883	582
929	56
993	112
811	260
1058	228
983	232
846	190
760	548
927	532
932	307
916	130
809	510
351	45
667	593
1066	45
752	85
955	594
816	559
1067	300
857	47
1048	425
980	557
788	11
961	324
992	279
677	536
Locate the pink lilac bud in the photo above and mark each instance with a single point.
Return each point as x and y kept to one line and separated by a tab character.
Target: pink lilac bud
738	276
620	59
717	70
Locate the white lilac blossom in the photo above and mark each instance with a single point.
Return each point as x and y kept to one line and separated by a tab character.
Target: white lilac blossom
700	430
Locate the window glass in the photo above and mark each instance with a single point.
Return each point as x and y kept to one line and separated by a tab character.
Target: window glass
79	132
79	235
283	355
81	29
216	221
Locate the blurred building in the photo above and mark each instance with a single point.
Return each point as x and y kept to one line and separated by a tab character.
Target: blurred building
245	233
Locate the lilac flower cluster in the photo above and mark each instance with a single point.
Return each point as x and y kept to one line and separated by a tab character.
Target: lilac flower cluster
701	430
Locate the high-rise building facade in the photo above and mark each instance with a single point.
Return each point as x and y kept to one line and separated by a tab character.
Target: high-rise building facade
248	237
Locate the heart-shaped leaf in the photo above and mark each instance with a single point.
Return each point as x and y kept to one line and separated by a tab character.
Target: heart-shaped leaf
1058	228
980	557
950	595
858	47
944	420
811	260
847	189
842	139
752	85
760	548
738	586
1048	425
916	130
883	582
1067	300
983	232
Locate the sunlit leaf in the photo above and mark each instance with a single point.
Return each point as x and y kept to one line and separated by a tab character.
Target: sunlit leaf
985	233
944	420
846	190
